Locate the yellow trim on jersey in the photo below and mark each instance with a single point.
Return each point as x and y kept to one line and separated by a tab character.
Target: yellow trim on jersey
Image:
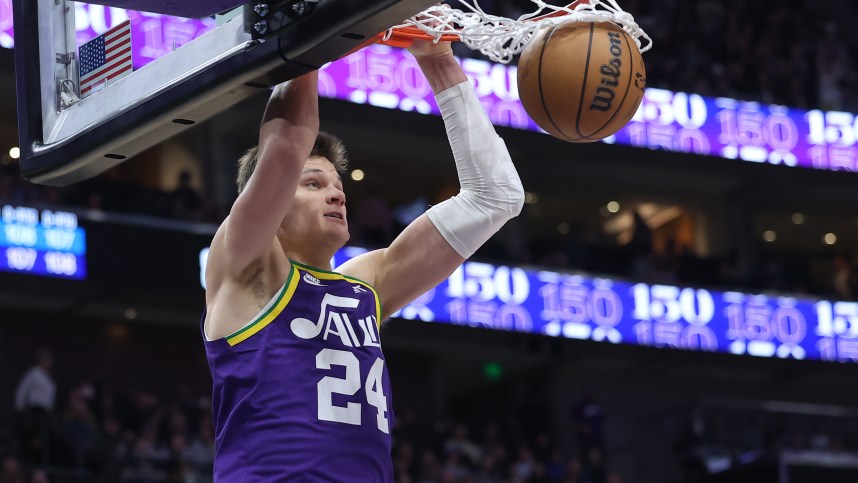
328	275
279	303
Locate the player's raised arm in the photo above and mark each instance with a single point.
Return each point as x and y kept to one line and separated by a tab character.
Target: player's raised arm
286	137
437	242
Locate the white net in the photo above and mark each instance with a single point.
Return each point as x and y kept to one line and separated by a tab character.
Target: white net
501	38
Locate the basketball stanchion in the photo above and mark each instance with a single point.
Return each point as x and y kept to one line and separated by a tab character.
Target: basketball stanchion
581	75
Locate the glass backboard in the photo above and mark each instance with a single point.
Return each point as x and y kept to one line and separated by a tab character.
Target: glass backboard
67	136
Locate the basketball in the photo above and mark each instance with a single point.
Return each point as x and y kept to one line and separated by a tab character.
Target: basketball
581	82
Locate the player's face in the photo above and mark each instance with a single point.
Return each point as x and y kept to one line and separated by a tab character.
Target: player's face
319	208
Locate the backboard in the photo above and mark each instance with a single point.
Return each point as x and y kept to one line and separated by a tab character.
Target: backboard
65	137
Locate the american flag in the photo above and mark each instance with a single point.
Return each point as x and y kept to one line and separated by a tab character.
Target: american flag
105	58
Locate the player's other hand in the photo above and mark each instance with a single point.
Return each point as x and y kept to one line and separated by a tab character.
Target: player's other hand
427	48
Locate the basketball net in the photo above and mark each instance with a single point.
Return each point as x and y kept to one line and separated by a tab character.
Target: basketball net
501	38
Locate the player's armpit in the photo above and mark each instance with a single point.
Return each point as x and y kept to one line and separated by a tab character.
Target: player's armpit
417	260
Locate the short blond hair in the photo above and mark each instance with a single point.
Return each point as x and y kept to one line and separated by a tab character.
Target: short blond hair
326	146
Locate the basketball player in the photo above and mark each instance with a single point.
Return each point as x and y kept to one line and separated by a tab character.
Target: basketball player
301	389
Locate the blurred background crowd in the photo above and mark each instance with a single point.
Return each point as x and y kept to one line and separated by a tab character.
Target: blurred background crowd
88	431
797	53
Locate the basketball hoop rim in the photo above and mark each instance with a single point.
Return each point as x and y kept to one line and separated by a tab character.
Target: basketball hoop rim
404	36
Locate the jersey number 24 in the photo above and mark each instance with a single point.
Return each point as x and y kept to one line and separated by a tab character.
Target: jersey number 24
328	386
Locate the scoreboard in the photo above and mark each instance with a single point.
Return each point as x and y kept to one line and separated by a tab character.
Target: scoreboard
47	243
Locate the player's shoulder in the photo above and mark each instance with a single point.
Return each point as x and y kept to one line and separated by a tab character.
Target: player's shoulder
365	266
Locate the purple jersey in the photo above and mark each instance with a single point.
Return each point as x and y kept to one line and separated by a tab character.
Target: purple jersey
302	392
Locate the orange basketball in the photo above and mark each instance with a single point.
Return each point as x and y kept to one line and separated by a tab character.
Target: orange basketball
581	82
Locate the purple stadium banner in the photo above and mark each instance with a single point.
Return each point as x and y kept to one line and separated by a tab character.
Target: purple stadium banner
672	121
6	37
582	307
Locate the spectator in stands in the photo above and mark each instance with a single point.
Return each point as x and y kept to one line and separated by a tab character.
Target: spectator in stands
575	471
843	278
492	468
429	470
555	466
699	443
664	266
460	444
454	469
34	401
78	426
525	467
588	423
594	467
10	471
202	449
186	202
404	461
104	458
831	63
640	247
39	476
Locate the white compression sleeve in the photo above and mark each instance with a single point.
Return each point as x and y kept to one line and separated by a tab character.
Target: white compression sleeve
491	191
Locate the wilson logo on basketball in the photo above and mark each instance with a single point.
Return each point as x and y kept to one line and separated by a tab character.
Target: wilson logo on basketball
604	98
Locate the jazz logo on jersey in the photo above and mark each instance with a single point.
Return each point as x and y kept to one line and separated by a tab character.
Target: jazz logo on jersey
333	322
